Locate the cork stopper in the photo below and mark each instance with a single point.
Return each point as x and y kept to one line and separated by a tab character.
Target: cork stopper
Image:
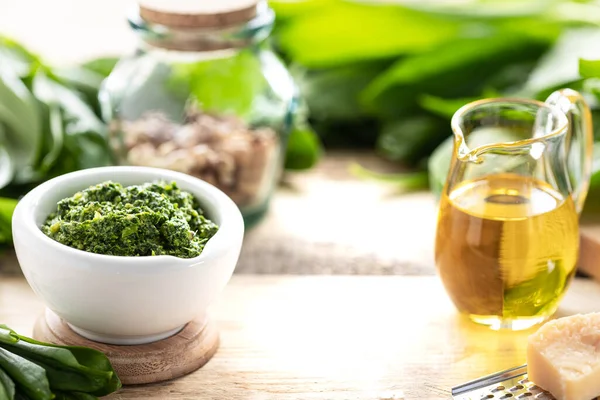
195	14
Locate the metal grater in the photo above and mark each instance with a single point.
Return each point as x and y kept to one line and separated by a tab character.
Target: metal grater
509	384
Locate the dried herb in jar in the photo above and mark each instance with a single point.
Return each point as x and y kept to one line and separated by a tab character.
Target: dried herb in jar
219	149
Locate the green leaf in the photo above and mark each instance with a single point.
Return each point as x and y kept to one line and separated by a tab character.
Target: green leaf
6	164
285	9
80	117
595	178
96	360
409	140
350	31
575	13
87	79
41	352
70	368
406	181
444	107
226	85
334	93
29	377
78	78
439	164
303	149
19	395
486	9
73	396
77	138
560	67
17	58
592	202
20	118
355	133
52	137
461	56
7	335
72	379
7	386
82	150
466	64
589	68
86	82
7	207
102	66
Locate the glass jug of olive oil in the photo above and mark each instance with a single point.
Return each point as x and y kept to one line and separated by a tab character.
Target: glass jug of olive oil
507	237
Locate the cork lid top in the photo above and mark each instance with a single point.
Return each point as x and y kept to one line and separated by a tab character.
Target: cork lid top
197	13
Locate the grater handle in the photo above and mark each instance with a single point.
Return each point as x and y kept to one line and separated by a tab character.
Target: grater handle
489	380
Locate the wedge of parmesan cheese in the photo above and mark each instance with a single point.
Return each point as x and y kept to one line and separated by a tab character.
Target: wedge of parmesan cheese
563	357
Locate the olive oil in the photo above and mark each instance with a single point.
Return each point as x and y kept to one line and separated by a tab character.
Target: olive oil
506	249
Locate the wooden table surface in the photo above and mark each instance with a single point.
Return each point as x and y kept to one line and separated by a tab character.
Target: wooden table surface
331	337
328	221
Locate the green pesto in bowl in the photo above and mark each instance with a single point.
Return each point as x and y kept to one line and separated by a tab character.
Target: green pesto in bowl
141	220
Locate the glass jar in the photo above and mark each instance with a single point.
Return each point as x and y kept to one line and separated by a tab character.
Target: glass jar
203	94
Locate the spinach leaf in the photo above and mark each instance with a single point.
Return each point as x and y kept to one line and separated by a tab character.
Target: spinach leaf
19	395
30	378
69	368
7	336
69	379
73	396
96	360
7	386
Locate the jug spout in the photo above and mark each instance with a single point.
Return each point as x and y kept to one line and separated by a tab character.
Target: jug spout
472	145
549	141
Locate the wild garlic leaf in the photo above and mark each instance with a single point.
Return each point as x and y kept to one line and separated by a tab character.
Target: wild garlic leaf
19	116
351	31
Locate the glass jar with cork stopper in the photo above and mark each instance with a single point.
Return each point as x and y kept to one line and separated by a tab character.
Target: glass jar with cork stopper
203	94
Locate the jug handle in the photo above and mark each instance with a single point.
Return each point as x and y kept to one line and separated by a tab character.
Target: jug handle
573	105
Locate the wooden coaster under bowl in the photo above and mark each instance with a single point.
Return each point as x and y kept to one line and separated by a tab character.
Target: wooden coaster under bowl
165	359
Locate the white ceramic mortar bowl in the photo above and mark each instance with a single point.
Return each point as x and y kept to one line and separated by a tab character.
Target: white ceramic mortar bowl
125	300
